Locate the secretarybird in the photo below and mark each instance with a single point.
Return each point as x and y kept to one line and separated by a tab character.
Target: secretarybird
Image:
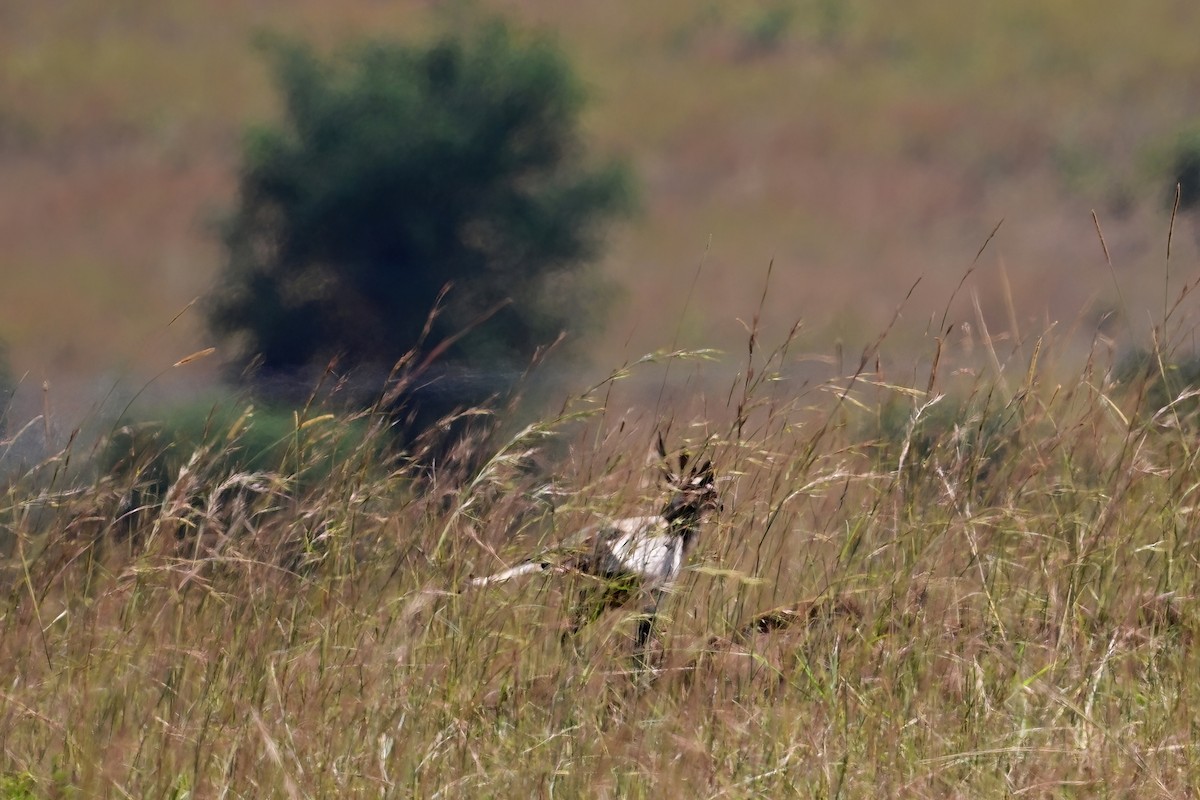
634	557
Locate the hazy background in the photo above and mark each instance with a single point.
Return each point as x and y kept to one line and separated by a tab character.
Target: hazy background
859	146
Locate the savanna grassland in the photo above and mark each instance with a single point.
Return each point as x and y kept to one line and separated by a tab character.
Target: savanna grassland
957	552
982	586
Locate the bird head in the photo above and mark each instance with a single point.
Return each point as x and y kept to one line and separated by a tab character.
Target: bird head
695	488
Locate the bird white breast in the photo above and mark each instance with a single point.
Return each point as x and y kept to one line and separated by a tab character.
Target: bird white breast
646	549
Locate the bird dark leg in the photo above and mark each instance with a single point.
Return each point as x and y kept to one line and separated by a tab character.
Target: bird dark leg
645	628
589	605
594	600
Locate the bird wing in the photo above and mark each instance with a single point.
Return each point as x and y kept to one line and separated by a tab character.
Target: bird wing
500	577
655	557
638	546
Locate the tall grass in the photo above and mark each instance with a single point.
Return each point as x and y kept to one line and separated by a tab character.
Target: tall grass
982	584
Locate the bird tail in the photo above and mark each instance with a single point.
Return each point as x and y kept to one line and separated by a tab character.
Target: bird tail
500	577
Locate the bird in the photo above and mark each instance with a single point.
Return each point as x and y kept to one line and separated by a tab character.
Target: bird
634	557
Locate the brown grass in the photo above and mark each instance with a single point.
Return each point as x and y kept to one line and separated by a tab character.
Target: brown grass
984	588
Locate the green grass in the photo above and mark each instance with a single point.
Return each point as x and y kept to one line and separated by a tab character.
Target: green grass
994	599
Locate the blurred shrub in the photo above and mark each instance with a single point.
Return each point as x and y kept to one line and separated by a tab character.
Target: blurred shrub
965	438
18	786
1185	169
399	170
214	443
1169	388
8	388
768	27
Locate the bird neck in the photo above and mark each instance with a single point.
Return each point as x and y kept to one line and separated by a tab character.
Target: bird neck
683	524
680	511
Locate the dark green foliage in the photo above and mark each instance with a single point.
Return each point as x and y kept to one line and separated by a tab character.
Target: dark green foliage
214	443
967	438
1168	387
235	438
17	786
1185	170
768	28
396	171
8	387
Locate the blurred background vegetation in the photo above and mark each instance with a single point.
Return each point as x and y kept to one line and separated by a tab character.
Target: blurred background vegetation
420	203
856	146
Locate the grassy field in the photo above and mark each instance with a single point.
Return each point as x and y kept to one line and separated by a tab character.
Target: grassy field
982	584
956	556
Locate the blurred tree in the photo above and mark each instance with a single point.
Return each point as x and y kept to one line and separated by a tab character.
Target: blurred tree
399	170
8	387
1185	170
